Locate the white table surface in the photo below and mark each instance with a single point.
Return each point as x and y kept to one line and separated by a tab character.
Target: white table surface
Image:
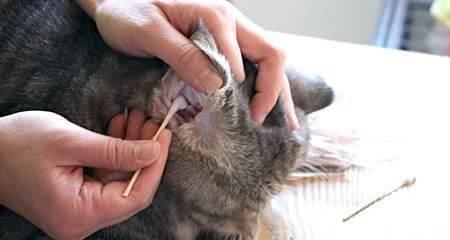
396	105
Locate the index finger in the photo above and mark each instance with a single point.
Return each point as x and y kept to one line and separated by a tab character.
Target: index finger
103	198
271	80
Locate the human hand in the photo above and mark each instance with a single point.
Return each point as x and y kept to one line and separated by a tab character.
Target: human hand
42	160
159	28
132	126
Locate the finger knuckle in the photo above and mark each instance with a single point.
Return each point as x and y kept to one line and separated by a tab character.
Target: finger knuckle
220	12
112	150
272	99
275	90
276	53
189	57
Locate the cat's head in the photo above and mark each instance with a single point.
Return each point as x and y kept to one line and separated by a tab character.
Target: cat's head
219	159
212	122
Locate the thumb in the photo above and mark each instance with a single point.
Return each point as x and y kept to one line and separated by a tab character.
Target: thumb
188	61
99	151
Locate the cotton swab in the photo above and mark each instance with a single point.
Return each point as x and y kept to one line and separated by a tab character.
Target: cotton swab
406	183
178	104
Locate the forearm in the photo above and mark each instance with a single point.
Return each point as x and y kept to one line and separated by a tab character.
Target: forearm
2	174
4	145
89	6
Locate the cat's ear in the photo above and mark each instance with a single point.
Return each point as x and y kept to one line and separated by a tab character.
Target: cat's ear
204	40
309	92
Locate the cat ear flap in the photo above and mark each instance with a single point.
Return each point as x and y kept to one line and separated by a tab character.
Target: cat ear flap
204	40
309	92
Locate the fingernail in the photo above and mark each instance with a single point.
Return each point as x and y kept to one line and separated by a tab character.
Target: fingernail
167	134
210	81
293	122
148	151
294	125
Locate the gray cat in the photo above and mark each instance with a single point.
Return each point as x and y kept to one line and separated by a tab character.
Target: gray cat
222	169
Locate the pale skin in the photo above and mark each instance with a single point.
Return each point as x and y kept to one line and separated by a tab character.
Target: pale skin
43	155
42	158
160	28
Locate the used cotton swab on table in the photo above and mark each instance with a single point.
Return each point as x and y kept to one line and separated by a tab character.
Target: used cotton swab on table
406	183
178	104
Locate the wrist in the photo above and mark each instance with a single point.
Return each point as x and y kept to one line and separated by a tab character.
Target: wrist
89	6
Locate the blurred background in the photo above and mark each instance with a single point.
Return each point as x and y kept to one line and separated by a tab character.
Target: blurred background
399	24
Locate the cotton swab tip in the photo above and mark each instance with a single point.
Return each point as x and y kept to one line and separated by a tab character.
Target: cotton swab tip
178	104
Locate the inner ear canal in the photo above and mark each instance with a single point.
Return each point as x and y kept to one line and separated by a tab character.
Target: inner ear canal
172	84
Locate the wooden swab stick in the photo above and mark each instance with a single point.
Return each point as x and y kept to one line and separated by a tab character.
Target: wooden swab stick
178	104
406	183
